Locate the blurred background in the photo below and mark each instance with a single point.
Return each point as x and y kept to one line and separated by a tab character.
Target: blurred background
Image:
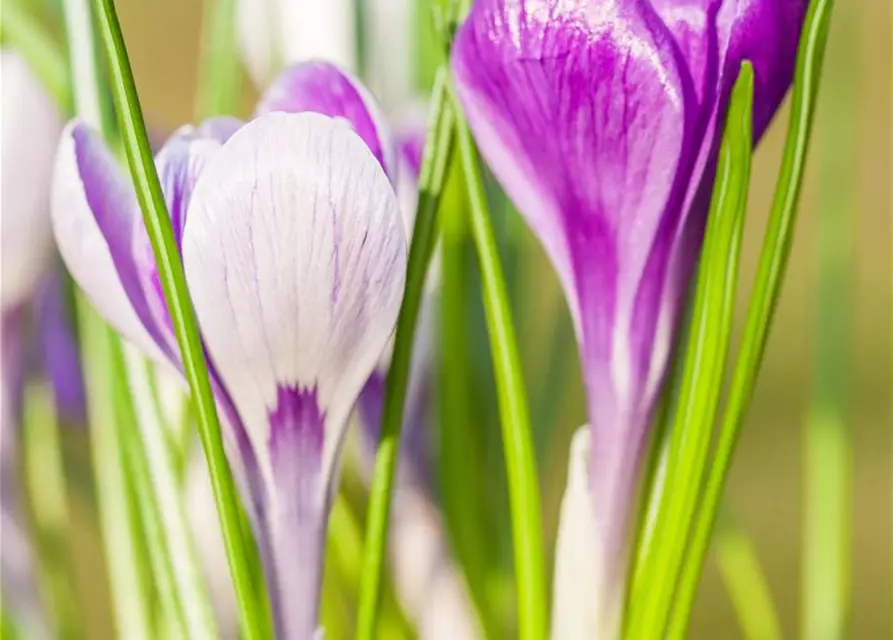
848	182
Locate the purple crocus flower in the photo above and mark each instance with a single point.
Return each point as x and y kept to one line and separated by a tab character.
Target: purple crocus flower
601	121
295	254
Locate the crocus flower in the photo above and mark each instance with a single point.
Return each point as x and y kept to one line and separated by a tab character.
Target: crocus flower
31	126
601	122
294	254
390	54
273	34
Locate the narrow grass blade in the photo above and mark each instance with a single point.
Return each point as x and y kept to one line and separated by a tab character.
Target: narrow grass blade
220	71
435	161
764	298
518	446
702	375
744	580
176	295
45	469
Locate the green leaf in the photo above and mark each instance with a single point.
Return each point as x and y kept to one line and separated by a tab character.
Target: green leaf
702	376
431	184
520	456
764	298
176	295
220	73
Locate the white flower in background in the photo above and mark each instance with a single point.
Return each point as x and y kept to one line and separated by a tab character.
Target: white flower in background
30	132
273	34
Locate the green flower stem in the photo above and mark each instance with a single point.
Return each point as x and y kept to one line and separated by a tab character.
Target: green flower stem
519	452
828	464
157	481
176	296
117	514
46	485
21	31
220	74
431	181
459	464
770	273
705	357
172	616
736	559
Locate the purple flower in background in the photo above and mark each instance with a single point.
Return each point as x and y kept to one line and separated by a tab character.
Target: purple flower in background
601	121
294	253
57	349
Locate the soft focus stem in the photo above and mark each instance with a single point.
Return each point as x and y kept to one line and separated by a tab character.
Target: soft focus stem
46	485
220	73
736	559
764	299
829	455
431	180
116	513
22	32
156	479
519	452
176	295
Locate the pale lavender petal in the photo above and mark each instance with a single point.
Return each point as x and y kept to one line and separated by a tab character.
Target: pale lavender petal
323	87
94	212
295	258
30	131
179	165
58	349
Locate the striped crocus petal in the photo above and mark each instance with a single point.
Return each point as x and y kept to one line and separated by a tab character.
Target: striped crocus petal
30	132
295	257
272	33
587	116
179	164
324	87
95	213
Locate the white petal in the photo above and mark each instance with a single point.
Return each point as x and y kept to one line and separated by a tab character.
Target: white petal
254	33
94	210
575	583
318	29
203	519
429	586
295	257
390	27
30	131
275	33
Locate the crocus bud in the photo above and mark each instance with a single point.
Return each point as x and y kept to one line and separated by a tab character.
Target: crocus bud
601	120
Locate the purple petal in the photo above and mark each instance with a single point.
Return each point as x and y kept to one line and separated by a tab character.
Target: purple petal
590	119
94	211
59	354
767	33
323	87
179	165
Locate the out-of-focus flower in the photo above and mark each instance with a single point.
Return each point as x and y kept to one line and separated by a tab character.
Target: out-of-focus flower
57	349
31	127
389	27
294	254
601	121
275	33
